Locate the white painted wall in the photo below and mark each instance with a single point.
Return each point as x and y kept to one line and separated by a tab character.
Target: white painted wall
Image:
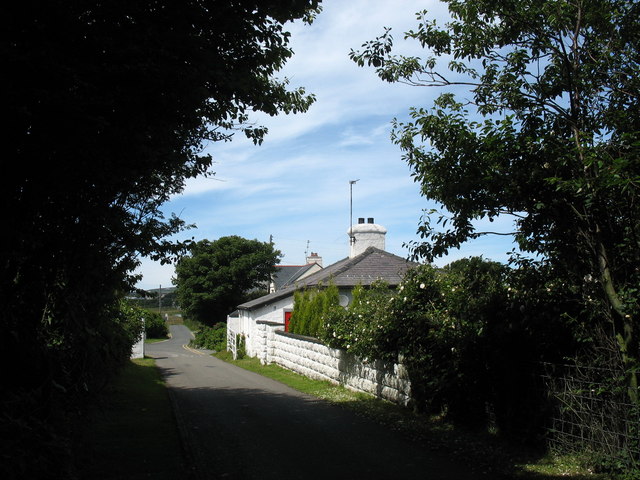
273	312
137	351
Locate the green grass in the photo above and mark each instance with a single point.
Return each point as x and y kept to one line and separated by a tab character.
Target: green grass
484	451
176	317
132	432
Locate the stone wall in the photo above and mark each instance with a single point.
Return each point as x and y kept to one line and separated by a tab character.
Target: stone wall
311	358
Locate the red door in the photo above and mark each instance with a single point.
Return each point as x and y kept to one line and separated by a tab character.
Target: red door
287	321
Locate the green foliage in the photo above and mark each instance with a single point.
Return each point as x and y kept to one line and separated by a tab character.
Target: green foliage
217	276
125	96
155	326
130	318
314	309
548	133
472	336
241	343
469	335
44	403
429	337
212	338
364	328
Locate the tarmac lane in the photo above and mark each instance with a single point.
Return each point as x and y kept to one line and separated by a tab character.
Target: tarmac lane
239	425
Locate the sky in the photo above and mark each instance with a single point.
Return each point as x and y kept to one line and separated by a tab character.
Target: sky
295	187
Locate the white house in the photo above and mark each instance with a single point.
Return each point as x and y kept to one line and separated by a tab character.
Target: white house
366	263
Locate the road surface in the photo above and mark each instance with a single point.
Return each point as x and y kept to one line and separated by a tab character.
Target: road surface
241	426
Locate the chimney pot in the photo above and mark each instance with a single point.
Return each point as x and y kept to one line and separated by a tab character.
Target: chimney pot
370	220
360	220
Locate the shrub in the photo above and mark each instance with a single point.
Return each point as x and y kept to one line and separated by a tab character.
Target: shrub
363	328
155	326
212	338
241	344
313	309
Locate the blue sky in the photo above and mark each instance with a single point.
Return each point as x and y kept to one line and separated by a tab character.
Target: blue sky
295	186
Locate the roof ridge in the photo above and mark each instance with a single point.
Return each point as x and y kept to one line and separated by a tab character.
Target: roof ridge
337	270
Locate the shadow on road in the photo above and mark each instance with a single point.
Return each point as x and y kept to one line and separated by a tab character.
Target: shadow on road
253	433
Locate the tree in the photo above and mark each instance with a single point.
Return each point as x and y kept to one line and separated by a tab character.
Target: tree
111	107
548	133
217	276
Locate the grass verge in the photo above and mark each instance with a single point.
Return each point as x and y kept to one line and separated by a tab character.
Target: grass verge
131	432
485	452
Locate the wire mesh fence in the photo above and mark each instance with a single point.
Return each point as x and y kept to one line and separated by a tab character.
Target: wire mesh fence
592	413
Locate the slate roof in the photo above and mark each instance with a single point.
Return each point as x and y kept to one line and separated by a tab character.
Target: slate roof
371	265
287	274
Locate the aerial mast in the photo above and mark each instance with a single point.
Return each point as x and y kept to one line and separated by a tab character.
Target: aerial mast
351	184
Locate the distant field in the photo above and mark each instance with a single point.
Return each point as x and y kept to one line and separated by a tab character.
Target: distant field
174	314
175	317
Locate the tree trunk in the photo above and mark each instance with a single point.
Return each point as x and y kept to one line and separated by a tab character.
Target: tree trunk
623	326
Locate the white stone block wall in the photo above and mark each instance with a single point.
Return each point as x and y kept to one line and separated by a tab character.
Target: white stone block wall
259	343
315	360
263	341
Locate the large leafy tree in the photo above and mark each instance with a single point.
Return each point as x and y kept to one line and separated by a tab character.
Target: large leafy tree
218	276
539	120
111	105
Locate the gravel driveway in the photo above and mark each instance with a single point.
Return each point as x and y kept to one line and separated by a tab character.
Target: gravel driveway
239	425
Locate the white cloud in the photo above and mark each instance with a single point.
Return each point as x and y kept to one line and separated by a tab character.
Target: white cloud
295	186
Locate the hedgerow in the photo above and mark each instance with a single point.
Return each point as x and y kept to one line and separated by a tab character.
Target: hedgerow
212	338
469	335
154	325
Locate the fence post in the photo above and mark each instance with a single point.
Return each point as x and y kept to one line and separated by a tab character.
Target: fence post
232	344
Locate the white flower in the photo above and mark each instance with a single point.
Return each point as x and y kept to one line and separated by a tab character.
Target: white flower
422	286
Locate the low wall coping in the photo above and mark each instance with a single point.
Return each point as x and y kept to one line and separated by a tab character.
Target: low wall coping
300	337
271	324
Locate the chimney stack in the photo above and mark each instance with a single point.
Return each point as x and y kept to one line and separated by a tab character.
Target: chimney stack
365	235
314	258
